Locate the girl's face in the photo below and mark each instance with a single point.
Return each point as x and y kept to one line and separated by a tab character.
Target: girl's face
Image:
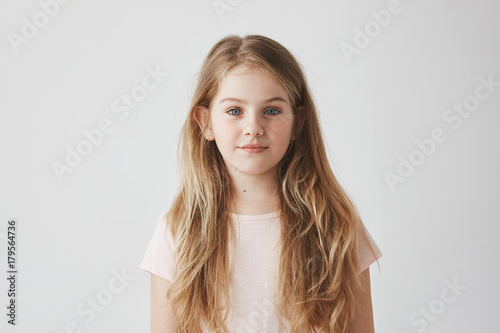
251	107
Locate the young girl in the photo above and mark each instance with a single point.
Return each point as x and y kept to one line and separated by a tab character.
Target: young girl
261	236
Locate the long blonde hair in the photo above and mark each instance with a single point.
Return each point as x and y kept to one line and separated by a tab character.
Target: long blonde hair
318	265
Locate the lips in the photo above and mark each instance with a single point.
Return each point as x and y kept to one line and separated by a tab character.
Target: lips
253	148
253	145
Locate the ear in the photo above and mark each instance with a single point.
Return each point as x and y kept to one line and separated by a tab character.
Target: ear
301	118
201	115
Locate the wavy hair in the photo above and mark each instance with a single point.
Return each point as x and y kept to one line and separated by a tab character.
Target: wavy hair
320	226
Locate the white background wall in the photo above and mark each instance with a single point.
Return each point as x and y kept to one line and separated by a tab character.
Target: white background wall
437	227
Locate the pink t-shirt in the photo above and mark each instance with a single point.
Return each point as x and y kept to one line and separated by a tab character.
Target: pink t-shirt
252	278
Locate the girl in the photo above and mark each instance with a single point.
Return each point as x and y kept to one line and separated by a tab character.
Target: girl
261	236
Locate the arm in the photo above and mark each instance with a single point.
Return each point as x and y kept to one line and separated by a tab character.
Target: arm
363	321
162	317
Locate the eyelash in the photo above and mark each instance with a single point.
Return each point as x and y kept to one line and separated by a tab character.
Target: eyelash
228	111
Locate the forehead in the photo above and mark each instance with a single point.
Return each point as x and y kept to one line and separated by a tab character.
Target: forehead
250	81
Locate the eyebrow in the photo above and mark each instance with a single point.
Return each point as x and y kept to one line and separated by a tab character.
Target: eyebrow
272	99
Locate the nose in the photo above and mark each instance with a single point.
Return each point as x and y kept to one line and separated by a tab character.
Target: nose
253	125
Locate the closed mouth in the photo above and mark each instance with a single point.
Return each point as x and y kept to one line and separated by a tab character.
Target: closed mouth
253	149
252	146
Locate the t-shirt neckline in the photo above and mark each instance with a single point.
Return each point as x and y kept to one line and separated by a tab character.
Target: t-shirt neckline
258	217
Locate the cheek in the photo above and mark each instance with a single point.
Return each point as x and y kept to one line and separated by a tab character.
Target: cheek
220	126
281	130
224	131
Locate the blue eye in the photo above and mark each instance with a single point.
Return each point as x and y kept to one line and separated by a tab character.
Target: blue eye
274	114
233	113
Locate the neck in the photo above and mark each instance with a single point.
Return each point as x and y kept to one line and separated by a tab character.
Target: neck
254	194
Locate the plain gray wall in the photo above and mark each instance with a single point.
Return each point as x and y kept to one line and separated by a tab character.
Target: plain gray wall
388	77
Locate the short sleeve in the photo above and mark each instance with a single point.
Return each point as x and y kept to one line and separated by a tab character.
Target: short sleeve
160	253
366	257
